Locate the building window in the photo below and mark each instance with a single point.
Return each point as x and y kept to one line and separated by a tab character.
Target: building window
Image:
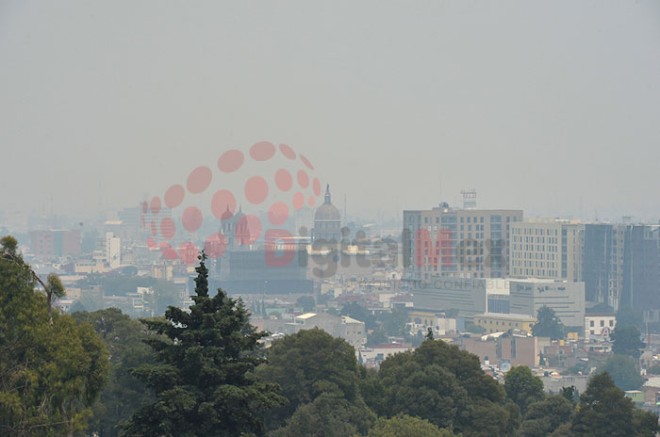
591	323
602	323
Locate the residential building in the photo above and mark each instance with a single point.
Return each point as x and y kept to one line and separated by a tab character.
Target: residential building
598	326
546	249
445	241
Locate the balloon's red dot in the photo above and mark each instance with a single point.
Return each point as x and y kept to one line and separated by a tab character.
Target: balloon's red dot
222	201
199	179
306	162
154	205
230	161
283	179
167	228
303	179
215	245
262	151
192	218
287	151
151	244
317	187
248	229
256	190
188	252
278	214
174	196
298	200
311	201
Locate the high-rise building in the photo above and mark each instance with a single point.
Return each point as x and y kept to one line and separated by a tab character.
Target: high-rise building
618	263
546	250
445	241
641	267
602	262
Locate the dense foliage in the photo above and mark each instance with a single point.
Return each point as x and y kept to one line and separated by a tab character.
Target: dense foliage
123	394
51	367
548	324
203	372
626	340
204	379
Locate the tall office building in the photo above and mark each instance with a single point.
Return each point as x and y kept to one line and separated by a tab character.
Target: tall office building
602	262
546	250
619	263
445	241
641	267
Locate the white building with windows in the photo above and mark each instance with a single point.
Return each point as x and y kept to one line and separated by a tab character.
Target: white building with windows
599	326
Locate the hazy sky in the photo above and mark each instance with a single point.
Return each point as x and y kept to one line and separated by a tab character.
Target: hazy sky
549	106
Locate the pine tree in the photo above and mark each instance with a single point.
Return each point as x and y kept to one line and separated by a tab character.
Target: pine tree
204	380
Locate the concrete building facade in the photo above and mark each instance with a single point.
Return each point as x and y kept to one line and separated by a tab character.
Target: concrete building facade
546	249
445	241
566	298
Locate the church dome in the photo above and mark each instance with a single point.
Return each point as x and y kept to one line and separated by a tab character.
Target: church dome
327	211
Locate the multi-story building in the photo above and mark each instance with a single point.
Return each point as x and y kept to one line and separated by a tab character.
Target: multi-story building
465	296
641	268
55	243
527	296
602	262
495	322
599	325
445	241
546	249
621	265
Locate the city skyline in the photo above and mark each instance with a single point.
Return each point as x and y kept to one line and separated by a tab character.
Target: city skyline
549	108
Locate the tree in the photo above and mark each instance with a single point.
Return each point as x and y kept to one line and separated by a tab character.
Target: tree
546	416
626	341
123	395
645	423
603	410
51	367
358	312
623	370
443	385
403	425
548	324
204	379
522	387
626	317
307	303
308	364
329	415
394	322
